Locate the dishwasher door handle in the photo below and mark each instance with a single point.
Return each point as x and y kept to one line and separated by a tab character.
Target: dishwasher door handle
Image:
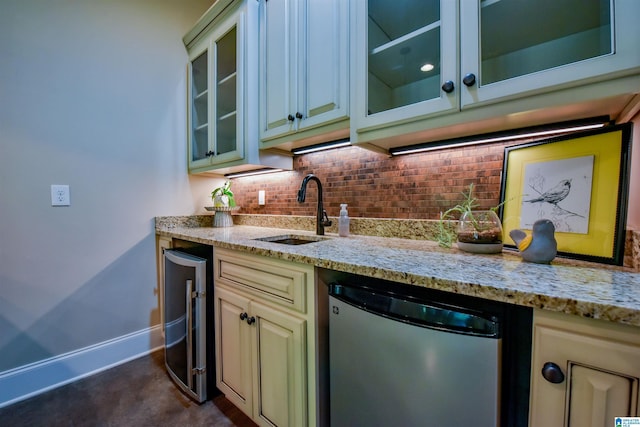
416	312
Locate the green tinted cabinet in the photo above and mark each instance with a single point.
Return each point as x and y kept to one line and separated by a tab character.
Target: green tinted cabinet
426	64
304	68
514	48
223	92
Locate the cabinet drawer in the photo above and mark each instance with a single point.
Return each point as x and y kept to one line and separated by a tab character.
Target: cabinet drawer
282	282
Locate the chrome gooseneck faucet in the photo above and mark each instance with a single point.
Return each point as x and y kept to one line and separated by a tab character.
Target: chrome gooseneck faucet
322	220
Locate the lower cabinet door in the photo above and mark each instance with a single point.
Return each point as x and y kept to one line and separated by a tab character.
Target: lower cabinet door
584	372
233	348
596	397
280	391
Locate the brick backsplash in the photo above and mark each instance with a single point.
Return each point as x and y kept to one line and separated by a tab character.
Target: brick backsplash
375	185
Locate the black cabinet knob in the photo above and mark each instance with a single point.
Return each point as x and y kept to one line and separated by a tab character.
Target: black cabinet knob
448	86
243	316
469	79
251	320
209	153
290	118
298	116
552	373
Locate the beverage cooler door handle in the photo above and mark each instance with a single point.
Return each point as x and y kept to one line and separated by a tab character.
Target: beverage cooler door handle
189	285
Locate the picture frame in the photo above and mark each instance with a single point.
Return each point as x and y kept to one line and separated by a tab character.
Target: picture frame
580	182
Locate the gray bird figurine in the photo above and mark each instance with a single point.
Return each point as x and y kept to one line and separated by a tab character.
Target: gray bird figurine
540	246
555	195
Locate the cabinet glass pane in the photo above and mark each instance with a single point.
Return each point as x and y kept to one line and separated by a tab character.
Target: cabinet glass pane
403	44
226	88
199	108
521	37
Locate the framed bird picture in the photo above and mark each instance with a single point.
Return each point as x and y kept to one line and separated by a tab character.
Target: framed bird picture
580	182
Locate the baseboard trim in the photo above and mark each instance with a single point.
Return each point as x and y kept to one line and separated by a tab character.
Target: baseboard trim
30	380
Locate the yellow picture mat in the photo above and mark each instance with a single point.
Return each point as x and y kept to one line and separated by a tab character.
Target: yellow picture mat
606	149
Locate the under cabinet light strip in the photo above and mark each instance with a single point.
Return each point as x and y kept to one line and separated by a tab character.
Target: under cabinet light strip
253	172
438	145
321	147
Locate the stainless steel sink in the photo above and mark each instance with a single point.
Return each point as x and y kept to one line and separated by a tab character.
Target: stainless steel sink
292	239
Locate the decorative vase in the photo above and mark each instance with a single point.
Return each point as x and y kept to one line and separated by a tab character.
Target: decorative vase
221	201
480	232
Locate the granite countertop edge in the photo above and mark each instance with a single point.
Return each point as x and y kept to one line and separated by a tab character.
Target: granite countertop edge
587	290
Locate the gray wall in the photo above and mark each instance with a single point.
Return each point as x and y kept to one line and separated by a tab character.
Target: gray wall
92	94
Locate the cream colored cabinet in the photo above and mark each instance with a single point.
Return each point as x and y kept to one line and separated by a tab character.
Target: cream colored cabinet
421	65
223	91
162	243
303	69
265	351
233	348
584	372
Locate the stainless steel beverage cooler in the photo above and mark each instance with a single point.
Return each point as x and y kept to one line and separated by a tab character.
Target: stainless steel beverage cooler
188	320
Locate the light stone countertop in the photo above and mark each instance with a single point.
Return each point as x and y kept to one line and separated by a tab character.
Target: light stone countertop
584	289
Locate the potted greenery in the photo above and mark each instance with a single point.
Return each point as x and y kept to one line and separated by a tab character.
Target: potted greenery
223	196
223	204
478	231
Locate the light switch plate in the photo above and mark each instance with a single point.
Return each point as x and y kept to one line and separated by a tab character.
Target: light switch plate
261	197
60	195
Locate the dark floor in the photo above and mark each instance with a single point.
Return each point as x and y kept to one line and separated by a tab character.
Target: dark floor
138	393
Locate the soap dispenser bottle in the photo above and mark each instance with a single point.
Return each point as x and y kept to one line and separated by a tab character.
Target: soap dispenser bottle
343	221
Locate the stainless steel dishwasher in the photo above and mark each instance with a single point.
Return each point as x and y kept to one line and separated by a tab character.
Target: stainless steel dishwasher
398	361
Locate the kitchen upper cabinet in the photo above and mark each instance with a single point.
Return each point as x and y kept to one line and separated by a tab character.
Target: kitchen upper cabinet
223	92
585	372
265	338
513	48
402	52
304	70
423	65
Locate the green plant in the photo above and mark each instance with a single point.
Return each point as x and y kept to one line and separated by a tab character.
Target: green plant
447	229
225	191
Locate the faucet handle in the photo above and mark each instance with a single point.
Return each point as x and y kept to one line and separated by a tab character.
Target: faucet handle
325	219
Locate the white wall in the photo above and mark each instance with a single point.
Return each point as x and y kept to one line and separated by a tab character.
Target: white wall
92	94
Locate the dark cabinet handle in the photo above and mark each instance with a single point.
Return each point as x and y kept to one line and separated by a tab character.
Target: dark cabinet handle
298	116
552	373
290	118
210	153
469	79
448	86
245	316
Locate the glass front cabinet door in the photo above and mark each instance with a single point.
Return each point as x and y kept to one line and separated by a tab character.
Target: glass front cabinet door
515	47
404	50
416	59
215	88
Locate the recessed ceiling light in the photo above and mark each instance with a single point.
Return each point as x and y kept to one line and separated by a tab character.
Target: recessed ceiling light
427	67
